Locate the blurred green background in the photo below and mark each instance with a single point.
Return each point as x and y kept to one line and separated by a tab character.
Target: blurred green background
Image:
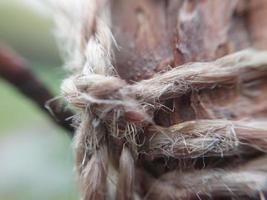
36	159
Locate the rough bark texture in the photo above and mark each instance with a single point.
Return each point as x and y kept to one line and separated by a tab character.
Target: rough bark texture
179	117
156	35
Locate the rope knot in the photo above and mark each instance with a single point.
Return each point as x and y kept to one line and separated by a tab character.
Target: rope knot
106	93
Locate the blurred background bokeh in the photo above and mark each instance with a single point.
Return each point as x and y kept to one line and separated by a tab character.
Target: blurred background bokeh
36	160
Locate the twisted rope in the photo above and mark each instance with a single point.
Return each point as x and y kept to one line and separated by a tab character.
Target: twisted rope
116	118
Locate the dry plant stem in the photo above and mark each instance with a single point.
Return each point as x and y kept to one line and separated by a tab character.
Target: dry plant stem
14	69
206	138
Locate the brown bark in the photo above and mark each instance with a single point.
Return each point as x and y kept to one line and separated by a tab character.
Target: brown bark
145	32
185	118
156	35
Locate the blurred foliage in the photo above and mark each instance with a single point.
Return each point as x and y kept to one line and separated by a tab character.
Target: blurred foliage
36	159
31	36
27	32
17	107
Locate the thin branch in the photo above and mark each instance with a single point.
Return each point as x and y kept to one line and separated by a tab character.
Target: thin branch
15	70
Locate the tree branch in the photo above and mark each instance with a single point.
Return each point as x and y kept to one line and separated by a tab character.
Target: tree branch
15	70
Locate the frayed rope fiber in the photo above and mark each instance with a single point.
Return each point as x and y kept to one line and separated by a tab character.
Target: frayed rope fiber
117	137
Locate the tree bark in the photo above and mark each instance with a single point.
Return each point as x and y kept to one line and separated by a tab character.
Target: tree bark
153	36
156	35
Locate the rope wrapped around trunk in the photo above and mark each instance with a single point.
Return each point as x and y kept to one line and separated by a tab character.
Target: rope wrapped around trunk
121	151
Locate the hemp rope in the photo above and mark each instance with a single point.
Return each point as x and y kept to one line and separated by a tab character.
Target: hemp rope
116	126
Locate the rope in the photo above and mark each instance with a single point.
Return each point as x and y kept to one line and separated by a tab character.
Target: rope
116	127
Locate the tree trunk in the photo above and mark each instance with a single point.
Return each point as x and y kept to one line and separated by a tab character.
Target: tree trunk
177	121
153	36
